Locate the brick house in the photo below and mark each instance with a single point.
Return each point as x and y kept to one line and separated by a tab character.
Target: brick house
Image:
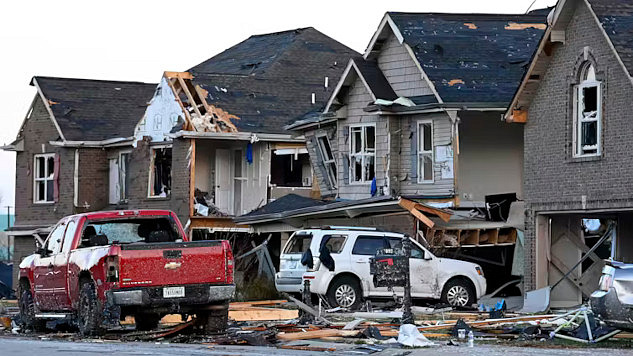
71	131
573	104
220	128
418	116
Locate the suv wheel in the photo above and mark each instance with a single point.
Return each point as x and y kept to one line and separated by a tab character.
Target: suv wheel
458	293
344	292
27	309
89	311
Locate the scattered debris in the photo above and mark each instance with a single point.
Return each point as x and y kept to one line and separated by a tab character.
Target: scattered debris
409	335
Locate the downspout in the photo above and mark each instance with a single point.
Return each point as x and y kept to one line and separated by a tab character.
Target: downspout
76	180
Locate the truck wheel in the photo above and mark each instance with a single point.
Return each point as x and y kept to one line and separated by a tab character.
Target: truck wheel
27	309
458	293
344	292
215	320
89	313
145	322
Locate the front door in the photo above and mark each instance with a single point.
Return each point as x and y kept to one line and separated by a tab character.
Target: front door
223	181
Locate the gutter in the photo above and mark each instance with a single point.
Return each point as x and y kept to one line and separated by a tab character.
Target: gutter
112	142
434	107
240	136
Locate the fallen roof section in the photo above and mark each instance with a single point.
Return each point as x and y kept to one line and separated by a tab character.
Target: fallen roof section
94	110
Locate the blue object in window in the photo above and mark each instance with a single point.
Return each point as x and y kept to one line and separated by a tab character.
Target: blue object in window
249	153
374	189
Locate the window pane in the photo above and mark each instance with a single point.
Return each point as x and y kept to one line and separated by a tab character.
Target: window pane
50	190
299	244
370	168
370	138
428	167
367	245
590	99
50	167
39	167
326	151
39	186
356	141
334	242
589	133
358	168
427	137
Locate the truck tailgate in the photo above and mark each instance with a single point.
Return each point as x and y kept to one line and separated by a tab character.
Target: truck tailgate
172	263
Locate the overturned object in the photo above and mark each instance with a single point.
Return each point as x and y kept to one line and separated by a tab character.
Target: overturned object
410	336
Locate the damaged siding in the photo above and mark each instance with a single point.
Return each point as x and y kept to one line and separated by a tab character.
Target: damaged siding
357	99
161	115
400	70
178	200
553	179
406	174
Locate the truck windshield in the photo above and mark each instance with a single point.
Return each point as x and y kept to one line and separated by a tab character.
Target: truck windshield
125	231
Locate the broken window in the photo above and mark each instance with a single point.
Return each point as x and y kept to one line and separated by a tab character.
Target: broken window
160	172
362	153
328	159
44	178
119	178
588	114
425	151
290	167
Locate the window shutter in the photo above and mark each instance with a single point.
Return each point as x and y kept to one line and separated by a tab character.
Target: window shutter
56	178
321	162
414	150
346	161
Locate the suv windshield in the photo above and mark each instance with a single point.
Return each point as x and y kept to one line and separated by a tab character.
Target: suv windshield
125	231
299	243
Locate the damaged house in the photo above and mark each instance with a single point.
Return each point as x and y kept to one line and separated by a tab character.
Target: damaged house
212	143
416	124
574	104
72	152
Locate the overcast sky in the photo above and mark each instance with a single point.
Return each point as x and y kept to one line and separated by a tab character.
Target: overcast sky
138	40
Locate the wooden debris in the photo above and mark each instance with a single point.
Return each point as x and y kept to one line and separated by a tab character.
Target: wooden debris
308	309
261	314
316	334
307	348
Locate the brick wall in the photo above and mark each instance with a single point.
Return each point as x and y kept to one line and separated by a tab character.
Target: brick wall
139	169
553	179
93	180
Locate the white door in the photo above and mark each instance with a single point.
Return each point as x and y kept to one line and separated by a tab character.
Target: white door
223	181
365	247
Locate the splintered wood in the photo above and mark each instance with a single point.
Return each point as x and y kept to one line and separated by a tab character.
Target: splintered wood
261	311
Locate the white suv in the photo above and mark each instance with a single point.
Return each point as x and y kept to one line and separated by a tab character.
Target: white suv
455	282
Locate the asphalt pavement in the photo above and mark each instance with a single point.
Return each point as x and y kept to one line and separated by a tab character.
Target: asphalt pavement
19	346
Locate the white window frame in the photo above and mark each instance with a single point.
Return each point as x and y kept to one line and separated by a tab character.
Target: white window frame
421	153
151	170
44	156
363	153
330	164
579	118
121	177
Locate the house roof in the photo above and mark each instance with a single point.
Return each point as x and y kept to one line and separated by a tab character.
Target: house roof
286	203
268	80
472	57
95	110
375	79
616	17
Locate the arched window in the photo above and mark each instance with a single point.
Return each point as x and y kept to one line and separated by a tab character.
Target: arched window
588	113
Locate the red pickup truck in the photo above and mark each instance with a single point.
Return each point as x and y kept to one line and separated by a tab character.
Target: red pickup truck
96	268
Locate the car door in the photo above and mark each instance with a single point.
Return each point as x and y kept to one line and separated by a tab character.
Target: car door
365	247
422	269
44	276
60	266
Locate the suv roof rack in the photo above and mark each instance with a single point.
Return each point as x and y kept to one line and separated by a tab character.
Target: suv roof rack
358	228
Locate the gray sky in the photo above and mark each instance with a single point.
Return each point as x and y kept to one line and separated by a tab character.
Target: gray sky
138	40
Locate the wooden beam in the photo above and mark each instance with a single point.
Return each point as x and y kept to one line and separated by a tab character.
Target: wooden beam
410	206
317	334
183	75
518	116
192	176
189	97
444	215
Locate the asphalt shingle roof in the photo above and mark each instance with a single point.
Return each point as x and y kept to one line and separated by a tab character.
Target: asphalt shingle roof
375	79
616	17
268	80
473	57
95	110
286	203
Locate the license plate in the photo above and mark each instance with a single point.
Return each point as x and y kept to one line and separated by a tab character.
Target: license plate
173	292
